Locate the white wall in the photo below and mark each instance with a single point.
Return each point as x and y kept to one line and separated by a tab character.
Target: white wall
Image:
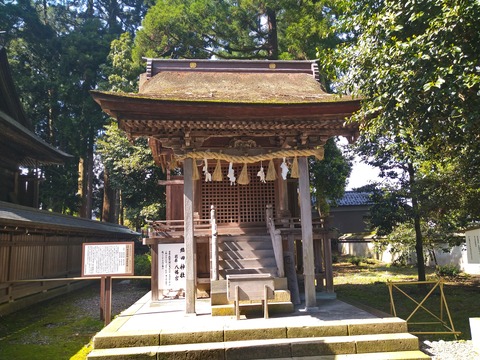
456	255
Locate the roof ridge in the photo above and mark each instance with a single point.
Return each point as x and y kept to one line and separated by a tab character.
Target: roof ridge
155	66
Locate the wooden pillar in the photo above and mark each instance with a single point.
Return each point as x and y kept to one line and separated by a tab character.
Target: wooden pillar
282	198
154	271
307	233
190	249
327	246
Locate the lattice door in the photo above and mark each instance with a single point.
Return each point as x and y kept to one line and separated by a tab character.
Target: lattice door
238	203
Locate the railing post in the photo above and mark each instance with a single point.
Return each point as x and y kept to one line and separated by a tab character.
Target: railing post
213	225
278	244
268	214
276	238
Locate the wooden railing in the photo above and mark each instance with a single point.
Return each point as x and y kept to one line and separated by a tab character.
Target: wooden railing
276	238
174	228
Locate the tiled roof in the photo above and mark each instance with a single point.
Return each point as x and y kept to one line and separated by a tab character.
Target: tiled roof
22	216
22	145
354	198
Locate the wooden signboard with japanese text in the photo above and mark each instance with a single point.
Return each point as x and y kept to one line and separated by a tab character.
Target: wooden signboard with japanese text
107	259
472	238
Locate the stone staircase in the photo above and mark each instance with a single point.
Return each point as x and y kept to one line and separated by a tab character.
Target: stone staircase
371	339
247	254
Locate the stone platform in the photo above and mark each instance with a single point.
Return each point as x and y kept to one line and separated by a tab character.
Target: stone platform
333	330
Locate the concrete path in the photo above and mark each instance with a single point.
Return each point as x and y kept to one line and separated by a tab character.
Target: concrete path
170	314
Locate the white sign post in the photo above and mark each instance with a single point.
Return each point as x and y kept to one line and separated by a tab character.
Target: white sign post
107	260
472	238
171	268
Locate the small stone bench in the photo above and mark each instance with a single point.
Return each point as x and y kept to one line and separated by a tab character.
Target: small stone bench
250	287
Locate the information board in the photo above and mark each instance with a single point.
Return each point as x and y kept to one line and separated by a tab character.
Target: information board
472	238
107	259
171	263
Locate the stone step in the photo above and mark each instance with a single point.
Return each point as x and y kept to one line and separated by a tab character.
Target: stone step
241	330
398	355
282	348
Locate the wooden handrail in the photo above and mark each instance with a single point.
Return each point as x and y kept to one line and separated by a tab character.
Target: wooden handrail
276	238
165	227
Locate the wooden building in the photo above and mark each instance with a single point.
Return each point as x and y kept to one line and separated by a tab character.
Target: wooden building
19	145
351	213
35	245
242	132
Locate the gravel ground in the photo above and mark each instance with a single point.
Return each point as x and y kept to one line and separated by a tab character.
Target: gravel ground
125	294
450	350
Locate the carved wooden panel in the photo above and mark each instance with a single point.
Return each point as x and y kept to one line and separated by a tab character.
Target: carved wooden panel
237	203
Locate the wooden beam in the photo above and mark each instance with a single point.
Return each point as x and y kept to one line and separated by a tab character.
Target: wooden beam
190	248
307	233
170	182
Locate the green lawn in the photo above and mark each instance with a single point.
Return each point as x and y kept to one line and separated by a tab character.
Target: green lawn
55	329
366	284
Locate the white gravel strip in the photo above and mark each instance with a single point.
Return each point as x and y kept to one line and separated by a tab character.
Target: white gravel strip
450	350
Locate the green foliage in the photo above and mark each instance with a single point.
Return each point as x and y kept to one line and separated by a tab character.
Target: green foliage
143	265
133	172
329	176
390	208
354	260
402	243
417	72
360	261
418	75
334	258
449	270
56	51
120	70
248	29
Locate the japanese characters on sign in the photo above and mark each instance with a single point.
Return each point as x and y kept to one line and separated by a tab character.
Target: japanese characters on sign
473	246
171	267
107	259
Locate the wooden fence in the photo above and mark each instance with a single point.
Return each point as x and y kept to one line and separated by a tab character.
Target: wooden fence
43	253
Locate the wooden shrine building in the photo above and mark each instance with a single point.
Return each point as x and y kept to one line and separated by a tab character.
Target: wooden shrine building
36	244
19	145
242	132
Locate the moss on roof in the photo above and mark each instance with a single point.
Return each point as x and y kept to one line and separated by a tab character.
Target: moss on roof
234	87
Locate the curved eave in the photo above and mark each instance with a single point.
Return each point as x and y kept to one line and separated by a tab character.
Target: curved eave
30	148
128	107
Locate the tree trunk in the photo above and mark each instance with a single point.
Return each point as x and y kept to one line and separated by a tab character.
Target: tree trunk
85	184
89	178
82	187
109	199
272	37
418	230
119	208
